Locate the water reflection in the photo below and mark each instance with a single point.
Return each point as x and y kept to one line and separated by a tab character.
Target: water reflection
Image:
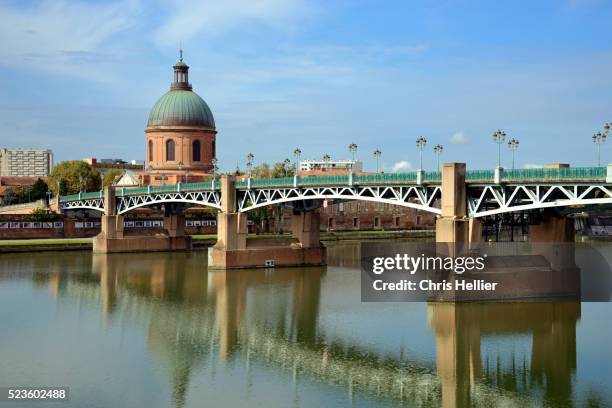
195	318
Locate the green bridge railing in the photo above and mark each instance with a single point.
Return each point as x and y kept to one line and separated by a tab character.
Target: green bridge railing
472	176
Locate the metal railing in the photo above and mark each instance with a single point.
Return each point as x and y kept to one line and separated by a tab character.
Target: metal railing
564	173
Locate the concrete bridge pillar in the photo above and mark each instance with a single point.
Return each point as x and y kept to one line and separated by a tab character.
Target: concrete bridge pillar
175	225
305	227
453	225
553	229
111	223
231	224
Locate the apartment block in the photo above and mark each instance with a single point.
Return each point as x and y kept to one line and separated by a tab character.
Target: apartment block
25	162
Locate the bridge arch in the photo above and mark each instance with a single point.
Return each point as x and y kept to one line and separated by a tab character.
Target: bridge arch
501	200
209	199
417	197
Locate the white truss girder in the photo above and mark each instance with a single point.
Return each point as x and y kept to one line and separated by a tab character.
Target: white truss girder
498	199
482	200
418	197
204	198
96	204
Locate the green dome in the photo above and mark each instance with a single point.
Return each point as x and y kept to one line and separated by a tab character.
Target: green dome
181	107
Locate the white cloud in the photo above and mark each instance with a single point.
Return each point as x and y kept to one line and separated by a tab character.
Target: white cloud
459	138
402	166
189	18
532	166
63	36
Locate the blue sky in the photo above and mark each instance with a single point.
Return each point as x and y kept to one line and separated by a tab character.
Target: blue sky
80	76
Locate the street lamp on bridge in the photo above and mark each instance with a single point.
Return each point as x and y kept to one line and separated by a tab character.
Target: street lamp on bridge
180	167
377	154
326	158
80	183
297	153
599	138
498	137
286	166
352	148
438	149
421	142
513	145
249	163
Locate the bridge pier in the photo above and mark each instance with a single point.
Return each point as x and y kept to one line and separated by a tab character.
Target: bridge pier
111	238
553	229
453	226
232	251
305	227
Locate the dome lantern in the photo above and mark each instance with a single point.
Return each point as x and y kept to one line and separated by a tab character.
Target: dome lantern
181	74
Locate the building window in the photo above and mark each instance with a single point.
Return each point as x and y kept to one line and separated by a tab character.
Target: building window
196	151
170	150
355	222
376	222
150	150
396	221
330	223
418	220
214	149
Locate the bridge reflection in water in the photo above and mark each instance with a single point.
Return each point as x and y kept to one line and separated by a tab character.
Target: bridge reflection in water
271	317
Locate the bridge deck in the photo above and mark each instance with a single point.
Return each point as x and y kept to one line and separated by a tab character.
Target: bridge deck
517	176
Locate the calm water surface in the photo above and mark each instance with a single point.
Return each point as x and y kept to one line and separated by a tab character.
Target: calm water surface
159	330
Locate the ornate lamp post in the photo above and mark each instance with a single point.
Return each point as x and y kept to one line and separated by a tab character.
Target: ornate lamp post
249	162
352	148
214	167
513	145
377	154
286	167
421	142
499	137
599	138
297	153
438	149
80	183
180	166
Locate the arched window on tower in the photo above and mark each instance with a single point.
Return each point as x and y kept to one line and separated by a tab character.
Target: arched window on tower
150	150
196	151
170	150
214	149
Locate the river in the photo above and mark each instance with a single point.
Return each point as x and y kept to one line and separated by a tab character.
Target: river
160	330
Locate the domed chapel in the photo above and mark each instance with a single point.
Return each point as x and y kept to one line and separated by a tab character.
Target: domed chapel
180	133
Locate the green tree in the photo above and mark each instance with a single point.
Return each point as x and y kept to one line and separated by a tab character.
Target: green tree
262	171
72	176
38	190
282	169
110	176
